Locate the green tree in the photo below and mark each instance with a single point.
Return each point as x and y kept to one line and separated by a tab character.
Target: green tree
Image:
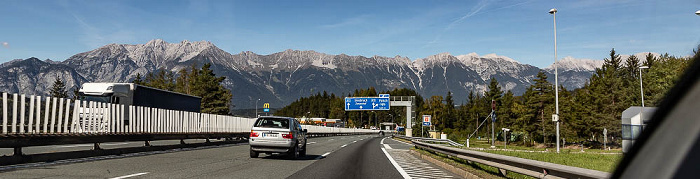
649	60
215	98
538	100
58	89
632	65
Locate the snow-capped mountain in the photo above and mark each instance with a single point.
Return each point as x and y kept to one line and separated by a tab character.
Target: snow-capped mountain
572	64
283	77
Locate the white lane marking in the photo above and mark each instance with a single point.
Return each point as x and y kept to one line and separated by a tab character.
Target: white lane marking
330	139
132	175
310	143
396	165
382	142
324	155
387	146
343	145
354	141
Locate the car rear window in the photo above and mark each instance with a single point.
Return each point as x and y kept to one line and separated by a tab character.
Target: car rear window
272	123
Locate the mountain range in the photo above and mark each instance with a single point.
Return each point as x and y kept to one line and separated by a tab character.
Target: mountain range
282	77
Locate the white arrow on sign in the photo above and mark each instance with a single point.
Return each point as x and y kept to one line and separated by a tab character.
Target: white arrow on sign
360	107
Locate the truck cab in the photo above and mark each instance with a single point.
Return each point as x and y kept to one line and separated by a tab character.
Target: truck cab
115	93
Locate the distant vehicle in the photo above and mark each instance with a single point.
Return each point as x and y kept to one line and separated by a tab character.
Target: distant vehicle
137	95
272	134
399	129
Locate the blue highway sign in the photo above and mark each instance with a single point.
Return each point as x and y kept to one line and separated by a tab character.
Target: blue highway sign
366	103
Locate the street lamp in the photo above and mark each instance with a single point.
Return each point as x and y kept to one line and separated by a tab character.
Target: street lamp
641	89
256	108
553	11
697	12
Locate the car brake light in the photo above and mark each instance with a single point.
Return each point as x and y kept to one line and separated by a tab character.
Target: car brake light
253	134
288	136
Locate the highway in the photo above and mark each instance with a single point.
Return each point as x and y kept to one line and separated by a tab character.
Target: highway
365	156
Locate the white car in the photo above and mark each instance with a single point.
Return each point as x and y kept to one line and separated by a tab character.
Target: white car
272	134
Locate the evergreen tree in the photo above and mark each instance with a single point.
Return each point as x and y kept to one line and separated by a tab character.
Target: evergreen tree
614	60
538	100
649	60
215	98
58	89
632	65
494	92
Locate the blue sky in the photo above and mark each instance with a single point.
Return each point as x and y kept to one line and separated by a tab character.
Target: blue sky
520	29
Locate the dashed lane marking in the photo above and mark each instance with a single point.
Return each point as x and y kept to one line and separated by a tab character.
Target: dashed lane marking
129	176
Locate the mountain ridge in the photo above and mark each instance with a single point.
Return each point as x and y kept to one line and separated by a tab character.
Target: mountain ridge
283	77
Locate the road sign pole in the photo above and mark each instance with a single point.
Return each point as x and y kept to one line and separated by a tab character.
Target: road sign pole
493	122
492	134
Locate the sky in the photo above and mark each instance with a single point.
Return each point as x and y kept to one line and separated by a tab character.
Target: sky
519	29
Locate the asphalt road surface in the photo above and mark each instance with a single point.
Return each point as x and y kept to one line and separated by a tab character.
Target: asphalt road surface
365	156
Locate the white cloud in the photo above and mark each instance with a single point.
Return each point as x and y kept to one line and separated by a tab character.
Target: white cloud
5	44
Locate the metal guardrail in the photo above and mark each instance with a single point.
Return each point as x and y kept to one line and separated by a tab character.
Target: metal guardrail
504	163
448	141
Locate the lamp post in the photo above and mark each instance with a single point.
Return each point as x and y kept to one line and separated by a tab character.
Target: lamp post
697	12
256	108
641	89
553	11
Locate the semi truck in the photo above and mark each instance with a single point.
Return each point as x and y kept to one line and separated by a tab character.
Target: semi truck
130	94
137	95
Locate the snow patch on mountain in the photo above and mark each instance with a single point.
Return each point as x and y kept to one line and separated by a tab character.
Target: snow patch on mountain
573	64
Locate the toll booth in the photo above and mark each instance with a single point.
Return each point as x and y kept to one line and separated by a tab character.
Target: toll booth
634	120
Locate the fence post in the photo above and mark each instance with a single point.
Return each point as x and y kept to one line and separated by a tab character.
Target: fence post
93	116
53	115
60	115
30	125
66	118
112	118
74	126
21	113
46	115
130	116
117	118
14	113
4	113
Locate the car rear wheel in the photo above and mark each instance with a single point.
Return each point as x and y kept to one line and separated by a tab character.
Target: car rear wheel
294	152
253	154
303	151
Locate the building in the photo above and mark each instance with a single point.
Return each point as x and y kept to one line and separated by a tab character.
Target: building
633	123
322	122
